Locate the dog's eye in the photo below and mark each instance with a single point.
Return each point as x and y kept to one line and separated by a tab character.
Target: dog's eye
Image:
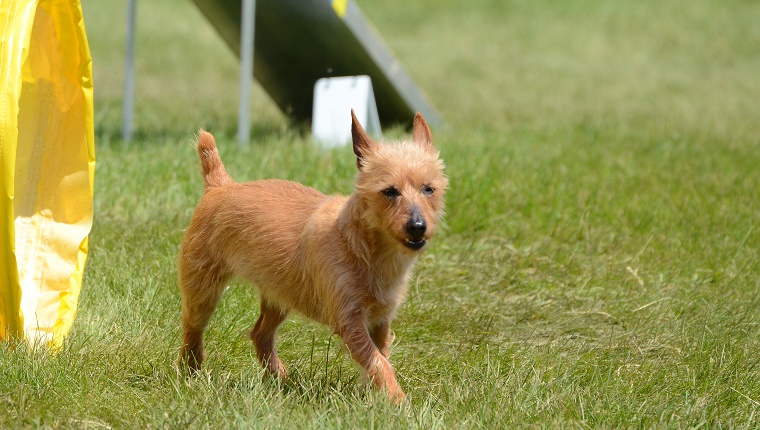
428	190
391	192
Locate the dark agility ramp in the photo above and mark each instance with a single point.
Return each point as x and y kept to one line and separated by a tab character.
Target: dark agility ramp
297	42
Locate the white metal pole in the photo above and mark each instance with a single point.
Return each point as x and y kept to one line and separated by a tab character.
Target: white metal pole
128	103
248	19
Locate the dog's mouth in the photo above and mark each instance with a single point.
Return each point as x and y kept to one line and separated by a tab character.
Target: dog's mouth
415	244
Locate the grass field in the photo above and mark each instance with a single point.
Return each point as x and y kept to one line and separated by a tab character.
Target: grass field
599	266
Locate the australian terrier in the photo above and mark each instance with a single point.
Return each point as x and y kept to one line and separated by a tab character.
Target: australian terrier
343	261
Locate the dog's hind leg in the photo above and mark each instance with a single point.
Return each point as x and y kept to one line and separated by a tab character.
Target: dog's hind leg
263	334
202	286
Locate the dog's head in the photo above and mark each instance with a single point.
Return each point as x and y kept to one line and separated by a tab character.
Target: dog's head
401	184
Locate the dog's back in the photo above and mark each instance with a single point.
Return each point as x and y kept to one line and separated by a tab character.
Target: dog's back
256	227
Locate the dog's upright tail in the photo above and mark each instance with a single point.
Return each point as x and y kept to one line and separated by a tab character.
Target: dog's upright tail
212	168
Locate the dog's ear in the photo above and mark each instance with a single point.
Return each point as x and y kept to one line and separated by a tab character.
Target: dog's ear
422	135
363	145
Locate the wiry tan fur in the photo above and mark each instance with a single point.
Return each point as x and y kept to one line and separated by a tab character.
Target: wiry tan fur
342	261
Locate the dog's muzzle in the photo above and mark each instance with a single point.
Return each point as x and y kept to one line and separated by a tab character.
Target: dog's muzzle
415	231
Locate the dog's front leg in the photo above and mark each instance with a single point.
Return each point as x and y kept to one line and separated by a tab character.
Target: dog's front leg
363	350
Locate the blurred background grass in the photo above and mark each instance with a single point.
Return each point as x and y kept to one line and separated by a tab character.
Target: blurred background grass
496	64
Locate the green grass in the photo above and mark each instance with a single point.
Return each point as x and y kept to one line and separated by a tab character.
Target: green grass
598	268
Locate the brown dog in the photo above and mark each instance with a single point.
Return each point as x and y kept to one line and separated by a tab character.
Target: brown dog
342	261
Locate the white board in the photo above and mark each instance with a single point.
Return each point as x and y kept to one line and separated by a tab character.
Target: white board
333	100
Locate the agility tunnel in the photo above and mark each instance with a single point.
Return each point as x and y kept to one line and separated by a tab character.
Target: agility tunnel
297	42
47	163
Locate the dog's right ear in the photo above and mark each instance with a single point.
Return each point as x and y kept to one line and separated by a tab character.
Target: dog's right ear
363	145
422	133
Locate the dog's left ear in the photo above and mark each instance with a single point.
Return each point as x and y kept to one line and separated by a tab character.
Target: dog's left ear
422	135
363	145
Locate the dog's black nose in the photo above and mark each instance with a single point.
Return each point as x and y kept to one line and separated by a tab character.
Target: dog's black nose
416	226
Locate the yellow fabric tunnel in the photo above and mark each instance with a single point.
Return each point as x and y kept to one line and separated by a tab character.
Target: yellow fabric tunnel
47	167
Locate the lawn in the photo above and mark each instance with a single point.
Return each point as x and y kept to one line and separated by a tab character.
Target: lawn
599	265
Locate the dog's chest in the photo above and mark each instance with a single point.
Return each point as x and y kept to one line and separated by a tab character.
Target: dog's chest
386	294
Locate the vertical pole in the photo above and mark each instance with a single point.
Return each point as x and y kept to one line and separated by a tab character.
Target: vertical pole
128	104
248	19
